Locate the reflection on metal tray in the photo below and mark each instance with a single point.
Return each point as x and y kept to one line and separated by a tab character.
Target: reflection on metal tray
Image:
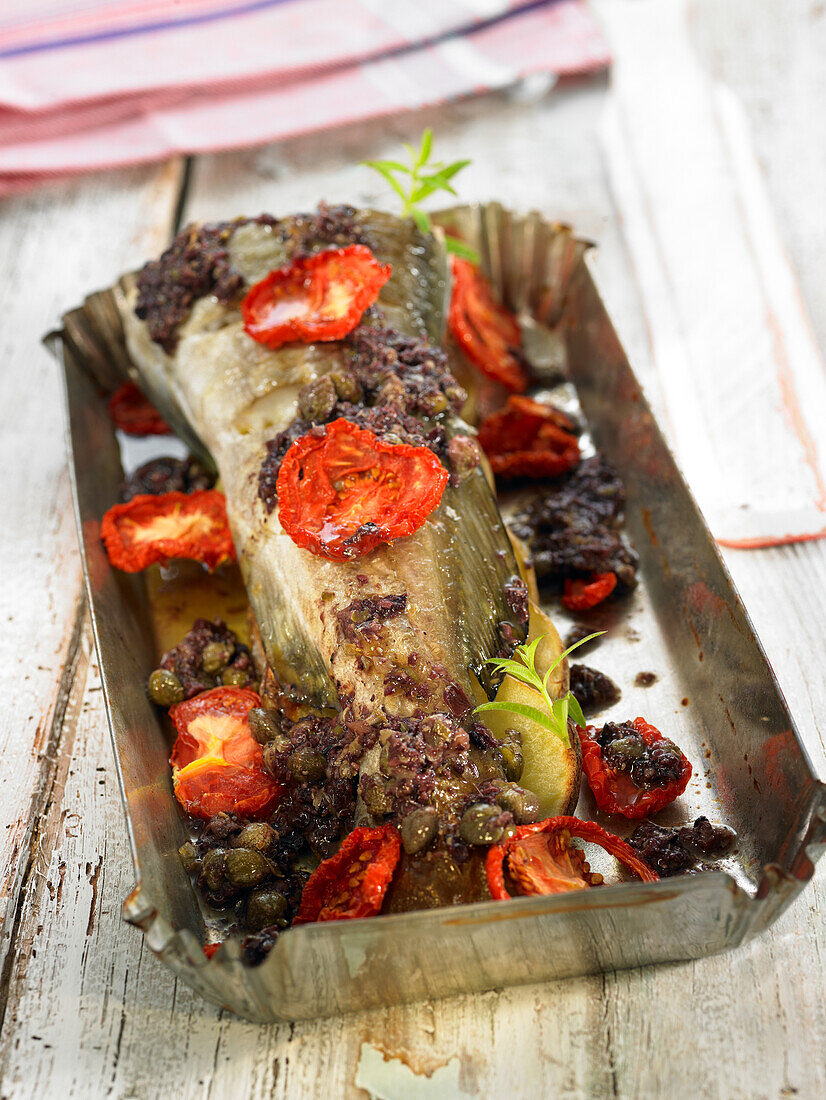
714	693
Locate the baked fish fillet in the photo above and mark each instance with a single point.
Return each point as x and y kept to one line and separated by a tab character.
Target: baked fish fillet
228	396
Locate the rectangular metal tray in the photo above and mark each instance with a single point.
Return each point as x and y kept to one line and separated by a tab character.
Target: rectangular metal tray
715	694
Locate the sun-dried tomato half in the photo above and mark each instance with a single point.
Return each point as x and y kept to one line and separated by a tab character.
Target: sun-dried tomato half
529	439
342	491
149	529
539	859
486	332
135	414
319	297
631	768
217	766
353	882
582	594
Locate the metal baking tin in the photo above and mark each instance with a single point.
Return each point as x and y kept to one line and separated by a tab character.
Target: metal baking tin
715	694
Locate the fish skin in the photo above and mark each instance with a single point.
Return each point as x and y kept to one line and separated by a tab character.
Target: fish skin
228	395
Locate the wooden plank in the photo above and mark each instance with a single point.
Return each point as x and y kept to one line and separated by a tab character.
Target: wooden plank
58	243
92	1014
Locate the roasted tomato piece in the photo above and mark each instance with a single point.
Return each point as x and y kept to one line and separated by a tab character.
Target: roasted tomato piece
486	332
217	766
631	768
529	439
319	297
149	529
353	882
342	491
540	860
135	414
581	594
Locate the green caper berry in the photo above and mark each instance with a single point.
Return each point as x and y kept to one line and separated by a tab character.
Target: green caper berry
165	688
216	655
375	797
418	829
317	399
432	404
212	871
524	805
258	836
306	765
190	858
476	827
455	394
273	756
234	677
245	868
628	748
348	387
264	725
513	762
264	908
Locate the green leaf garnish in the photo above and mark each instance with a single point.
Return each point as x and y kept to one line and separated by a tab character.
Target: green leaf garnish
416	181
522	666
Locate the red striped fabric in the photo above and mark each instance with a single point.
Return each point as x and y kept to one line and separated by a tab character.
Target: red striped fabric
218	84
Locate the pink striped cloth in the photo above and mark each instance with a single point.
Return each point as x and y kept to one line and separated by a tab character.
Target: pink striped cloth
92	84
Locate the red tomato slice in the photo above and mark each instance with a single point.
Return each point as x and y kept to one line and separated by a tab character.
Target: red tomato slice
353	882
615	792
217	766
485	331
319	297
154	528
342	491
135	414
529	439
539	862
582	595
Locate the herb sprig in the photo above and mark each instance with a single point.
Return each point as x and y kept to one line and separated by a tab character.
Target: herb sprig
522	666
415	182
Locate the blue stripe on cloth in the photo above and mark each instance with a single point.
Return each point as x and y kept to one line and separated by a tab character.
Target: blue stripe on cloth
146	28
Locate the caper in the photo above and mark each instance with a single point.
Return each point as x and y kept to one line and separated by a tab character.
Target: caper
375	796
347	385
512	760
264	908
234	677
628	748
274	756
264	724
216	655
244	867
189	857
455	394
306	765
165	688
524	805
418	829
212	871
258	835
317	399
463	455
432	404
476	826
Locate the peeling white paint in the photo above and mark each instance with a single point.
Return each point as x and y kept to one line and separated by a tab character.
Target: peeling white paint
391	1079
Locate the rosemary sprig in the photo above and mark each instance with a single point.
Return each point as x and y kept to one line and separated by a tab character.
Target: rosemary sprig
522	666
414	182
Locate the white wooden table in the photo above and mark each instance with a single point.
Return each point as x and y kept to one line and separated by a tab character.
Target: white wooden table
87	1011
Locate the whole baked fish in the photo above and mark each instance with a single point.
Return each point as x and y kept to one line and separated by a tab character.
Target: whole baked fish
394	643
